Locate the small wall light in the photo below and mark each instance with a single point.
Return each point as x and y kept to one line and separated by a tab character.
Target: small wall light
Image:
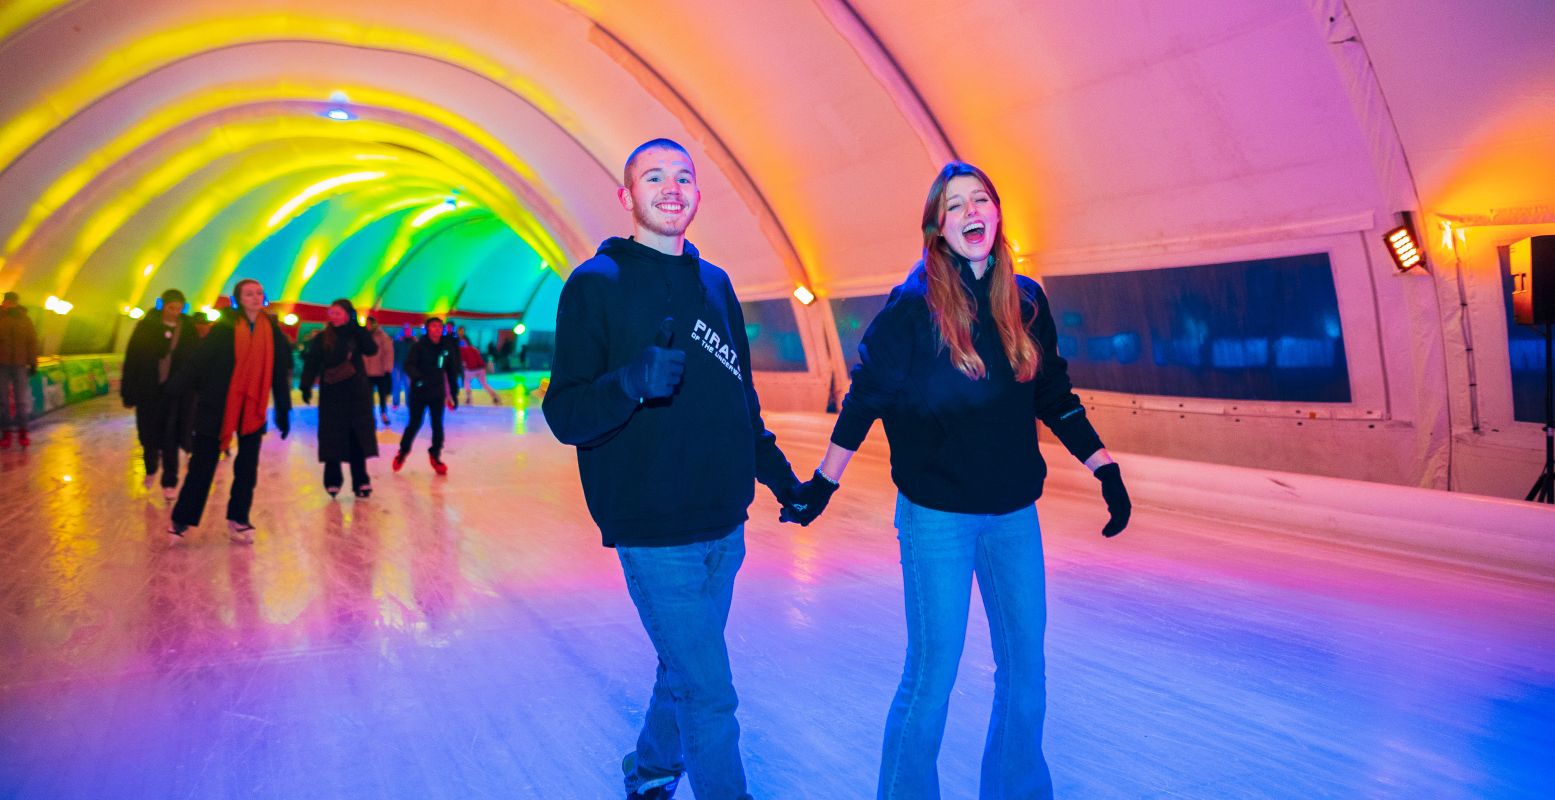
1403	245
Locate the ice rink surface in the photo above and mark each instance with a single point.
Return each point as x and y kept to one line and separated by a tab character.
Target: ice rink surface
467	637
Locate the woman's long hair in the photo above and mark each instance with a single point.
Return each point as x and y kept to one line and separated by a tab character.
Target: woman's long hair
950	303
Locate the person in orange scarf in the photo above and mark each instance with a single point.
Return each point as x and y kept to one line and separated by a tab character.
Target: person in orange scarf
242	364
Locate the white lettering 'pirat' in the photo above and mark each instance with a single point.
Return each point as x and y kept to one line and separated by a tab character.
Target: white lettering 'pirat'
714	344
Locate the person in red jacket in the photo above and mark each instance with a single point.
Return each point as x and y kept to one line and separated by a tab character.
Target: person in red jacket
474	370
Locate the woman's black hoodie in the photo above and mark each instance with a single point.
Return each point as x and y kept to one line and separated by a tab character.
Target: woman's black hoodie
957	444
671	471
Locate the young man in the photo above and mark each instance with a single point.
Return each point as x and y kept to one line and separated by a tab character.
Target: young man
242	364
432	367
159	347
651	382
18	362
380	368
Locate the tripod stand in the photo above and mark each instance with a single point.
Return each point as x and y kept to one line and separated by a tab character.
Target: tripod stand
1543	490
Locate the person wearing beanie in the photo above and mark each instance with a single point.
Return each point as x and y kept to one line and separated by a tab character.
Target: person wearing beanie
160	345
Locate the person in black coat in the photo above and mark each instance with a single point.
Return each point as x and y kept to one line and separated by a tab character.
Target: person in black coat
244	355
335	360
434	371
161	344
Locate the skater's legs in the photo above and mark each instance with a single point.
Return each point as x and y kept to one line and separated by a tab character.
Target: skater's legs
245	474
436	410
15	397
418	410
358	465
682	594
197	484
938	557
1010	578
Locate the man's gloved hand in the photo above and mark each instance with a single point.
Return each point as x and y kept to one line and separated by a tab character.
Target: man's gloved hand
283	423
307	396
1118	504
808	501
658	370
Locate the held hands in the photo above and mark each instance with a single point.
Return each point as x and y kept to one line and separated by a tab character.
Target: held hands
805	502
657	371
1118	504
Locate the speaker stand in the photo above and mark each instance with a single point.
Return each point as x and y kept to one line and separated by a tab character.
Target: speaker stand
1543	490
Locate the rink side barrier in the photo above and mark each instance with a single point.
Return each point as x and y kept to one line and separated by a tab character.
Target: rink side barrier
1510	537
62	380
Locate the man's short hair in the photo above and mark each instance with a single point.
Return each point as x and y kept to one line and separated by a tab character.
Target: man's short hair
13	297
174	296
430	320
652	144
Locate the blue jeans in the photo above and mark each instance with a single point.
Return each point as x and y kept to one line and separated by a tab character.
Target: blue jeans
683	594
941	551
15	392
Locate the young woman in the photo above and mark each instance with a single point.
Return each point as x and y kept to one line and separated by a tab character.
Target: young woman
243	364
335	359
960	365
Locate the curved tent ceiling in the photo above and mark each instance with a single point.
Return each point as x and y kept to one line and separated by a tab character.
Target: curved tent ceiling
1133	123
1124	134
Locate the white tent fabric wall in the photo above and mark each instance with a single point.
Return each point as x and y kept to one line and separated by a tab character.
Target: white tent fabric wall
1125	135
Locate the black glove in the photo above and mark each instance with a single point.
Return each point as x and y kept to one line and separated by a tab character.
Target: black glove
307	396
283	423
657	371
808	501
1118	504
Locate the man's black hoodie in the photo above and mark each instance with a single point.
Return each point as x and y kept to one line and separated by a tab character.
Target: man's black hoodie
676	470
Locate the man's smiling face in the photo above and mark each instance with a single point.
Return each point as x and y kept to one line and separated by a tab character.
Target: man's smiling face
661	191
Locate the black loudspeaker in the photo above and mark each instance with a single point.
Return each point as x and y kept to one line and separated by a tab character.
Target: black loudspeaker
1533	280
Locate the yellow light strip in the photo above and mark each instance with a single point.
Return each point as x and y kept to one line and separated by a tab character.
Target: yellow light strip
146	54
240	136
192	109
18	14
361	208
246	176
432	213
237	245
286	209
